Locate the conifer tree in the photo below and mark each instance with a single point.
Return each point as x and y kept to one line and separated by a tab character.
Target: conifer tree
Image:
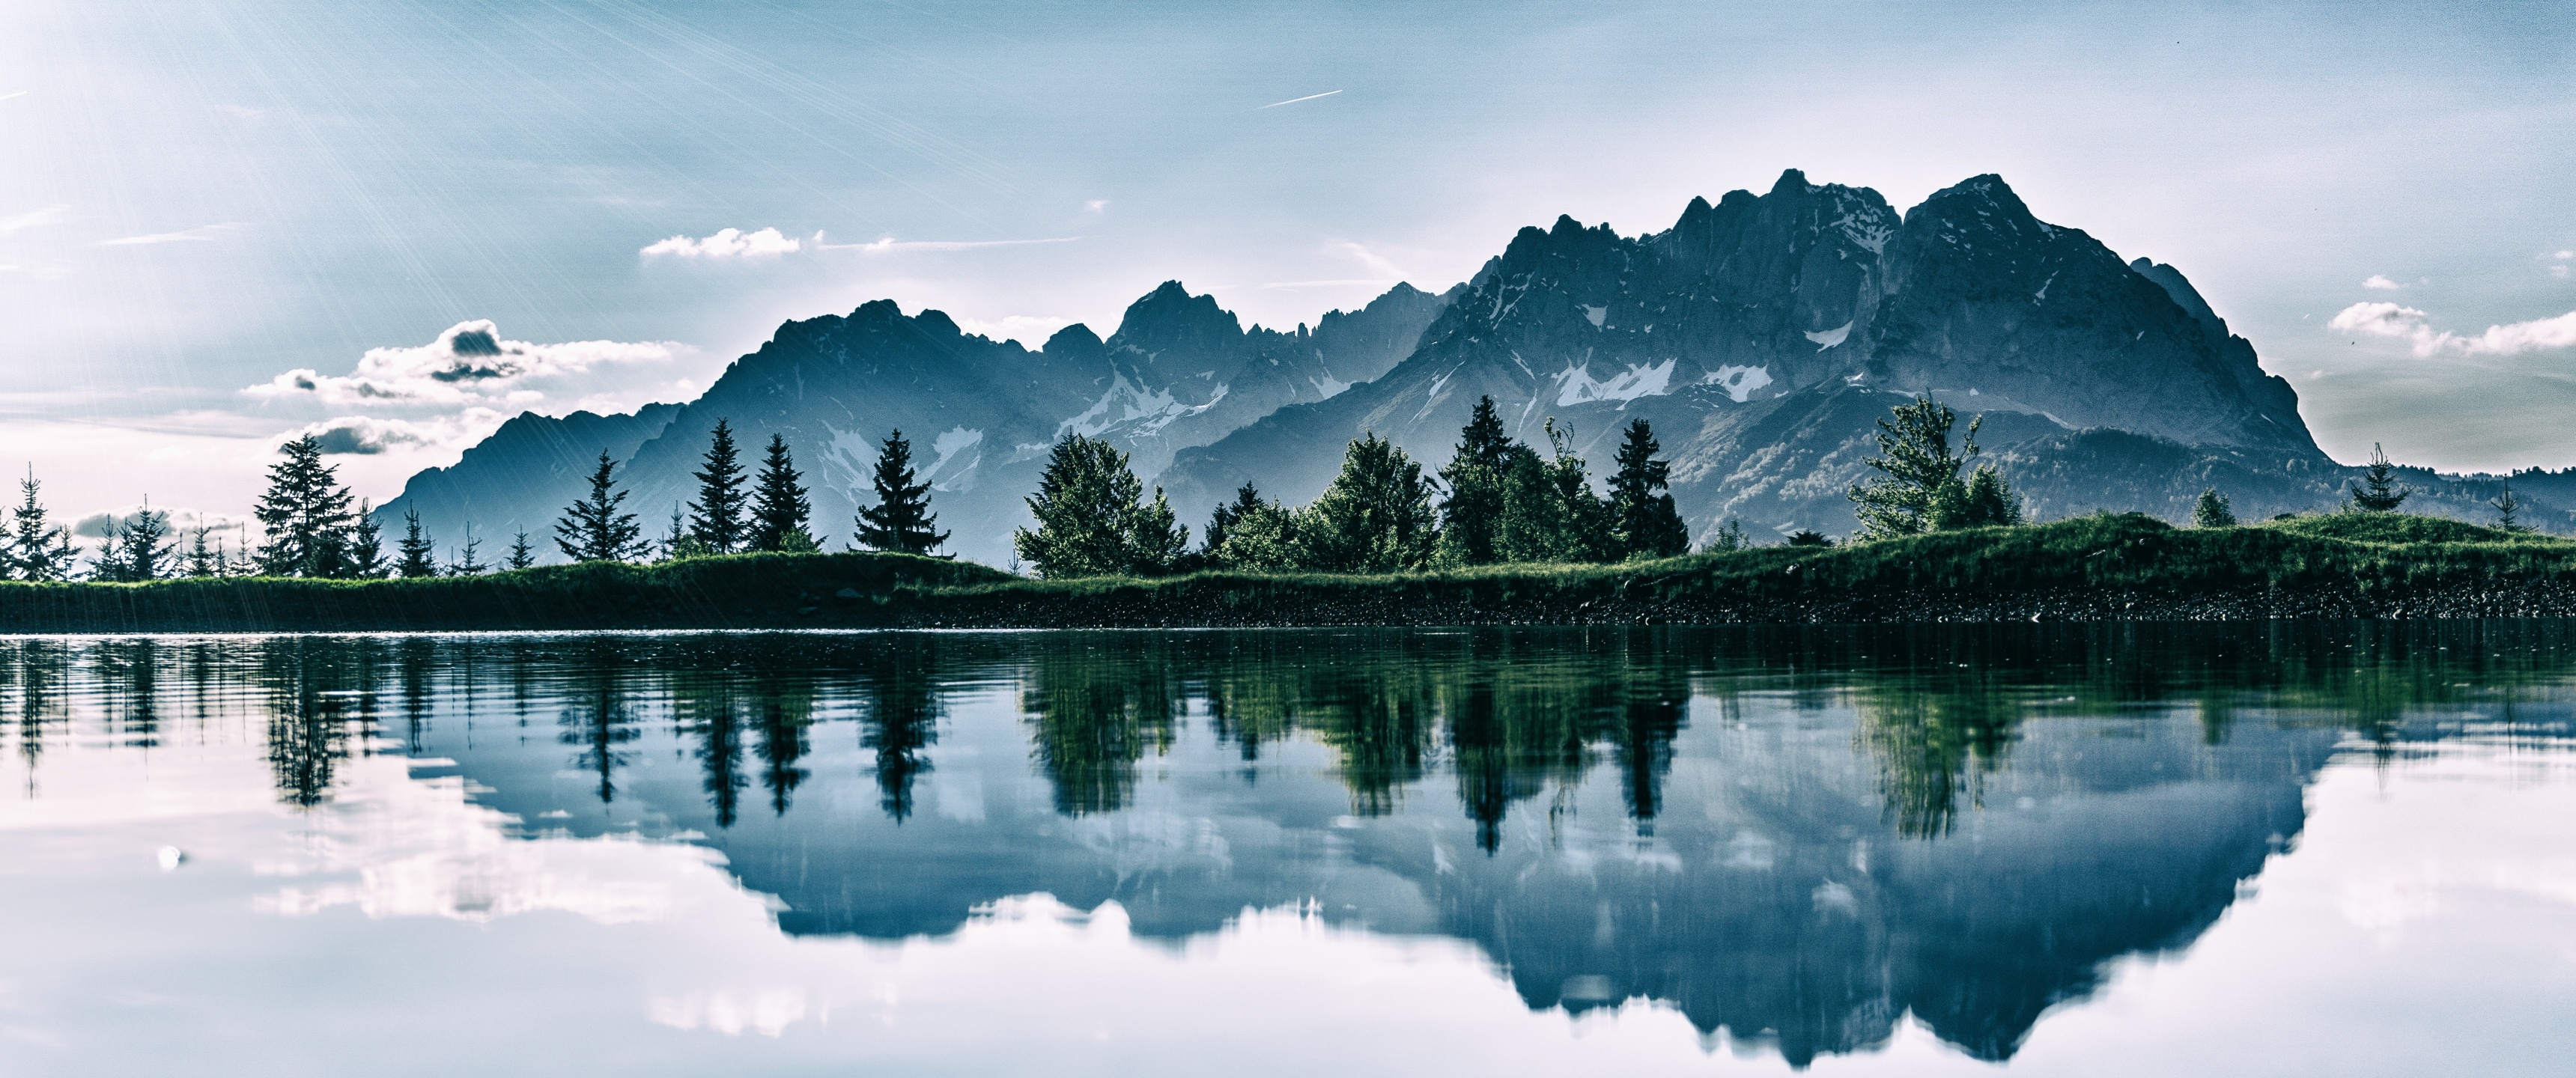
2212	511
366	556
1471	518
715	519
416	553
901	521
592	529
779	508
1091	517
137	549
1376	517
1254	535
469	557
38	549
521	556
203	560
2378	490
1644	521
2508	507
1919	488
305	513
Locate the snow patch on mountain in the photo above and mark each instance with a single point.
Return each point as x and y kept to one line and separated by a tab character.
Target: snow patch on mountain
1598	315
1576	384
1827	338
950	443
1740	382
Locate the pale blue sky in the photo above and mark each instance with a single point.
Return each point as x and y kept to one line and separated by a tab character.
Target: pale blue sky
200	197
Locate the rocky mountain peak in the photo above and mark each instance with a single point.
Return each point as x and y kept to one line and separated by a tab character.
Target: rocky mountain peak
1169	320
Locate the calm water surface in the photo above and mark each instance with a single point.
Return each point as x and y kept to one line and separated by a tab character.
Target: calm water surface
2340	849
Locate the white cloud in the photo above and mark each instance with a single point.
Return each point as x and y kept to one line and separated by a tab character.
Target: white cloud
33	218
2564	255
2381	283
2558	271
1377	263
199	234
1097	205
469	364
728	243
2414	327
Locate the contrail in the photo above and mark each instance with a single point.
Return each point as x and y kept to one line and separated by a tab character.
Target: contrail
5	97
892	244
1294	100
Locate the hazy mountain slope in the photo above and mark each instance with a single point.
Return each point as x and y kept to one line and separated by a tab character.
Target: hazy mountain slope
521	477
1180	372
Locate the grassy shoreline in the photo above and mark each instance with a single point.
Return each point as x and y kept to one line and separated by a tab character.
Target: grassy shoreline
2111	567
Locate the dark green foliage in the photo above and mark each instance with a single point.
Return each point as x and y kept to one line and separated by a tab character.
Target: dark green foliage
1091	518
1644	521
1254	535
306	515
1549	511
1375	518
778	505
138	549
469	558
1730	537
521	555
37	548
715	519
2508	507
592	529
204	559
2378	490
1805	538
366	557
1471	518
901	521
415	554
1918	489
2212	511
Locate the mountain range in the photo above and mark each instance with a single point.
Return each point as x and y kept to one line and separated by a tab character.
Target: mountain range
1762	336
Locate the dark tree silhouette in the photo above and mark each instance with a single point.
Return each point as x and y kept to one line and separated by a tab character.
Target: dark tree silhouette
715	519
415	552
1641	501
2378	490
778	505
592	529
901	521
305	513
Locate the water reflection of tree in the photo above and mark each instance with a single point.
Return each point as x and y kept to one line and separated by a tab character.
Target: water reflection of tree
783	707
1936	738
316	689
1094	712
597	717
902	718
708	708
127	672
41	671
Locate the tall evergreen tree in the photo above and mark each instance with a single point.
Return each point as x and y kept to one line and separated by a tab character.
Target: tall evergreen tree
38	549
2378	490
305	513
2212	510
715	519
1254	535
1549	510
415	553
778	505
1376	517
521	555
469	557
901	521
137	547
1643	518
366	557
592	529
204	559
1478	475
2508	507
1091	516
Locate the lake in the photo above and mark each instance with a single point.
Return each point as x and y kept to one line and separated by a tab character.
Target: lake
2278	849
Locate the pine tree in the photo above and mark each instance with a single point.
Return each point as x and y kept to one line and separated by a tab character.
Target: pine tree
715	519
592	529
38	549
1729	537
778	505
2212	511
901	520
2508	507
366	556
1549	511
1156	541
416	553
1253	535
1086	505
521	556
1471	518
1919	489
1376	517
469	558
2379	491
203	560
1641	502
136	549
305	513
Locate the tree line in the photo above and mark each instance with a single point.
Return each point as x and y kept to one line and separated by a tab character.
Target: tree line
1497	501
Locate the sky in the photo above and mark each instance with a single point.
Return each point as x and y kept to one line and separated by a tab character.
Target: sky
225	223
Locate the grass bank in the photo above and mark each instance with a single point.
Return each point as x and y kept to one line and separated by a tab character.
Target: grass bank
2108	567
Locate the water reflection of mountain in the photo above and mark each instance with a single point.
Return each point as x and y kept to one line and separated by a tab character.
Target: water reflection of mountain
1798	835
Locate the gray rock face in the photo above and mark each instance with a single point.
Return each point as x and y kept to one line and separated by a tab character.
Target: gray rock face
1765	335
1180	372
